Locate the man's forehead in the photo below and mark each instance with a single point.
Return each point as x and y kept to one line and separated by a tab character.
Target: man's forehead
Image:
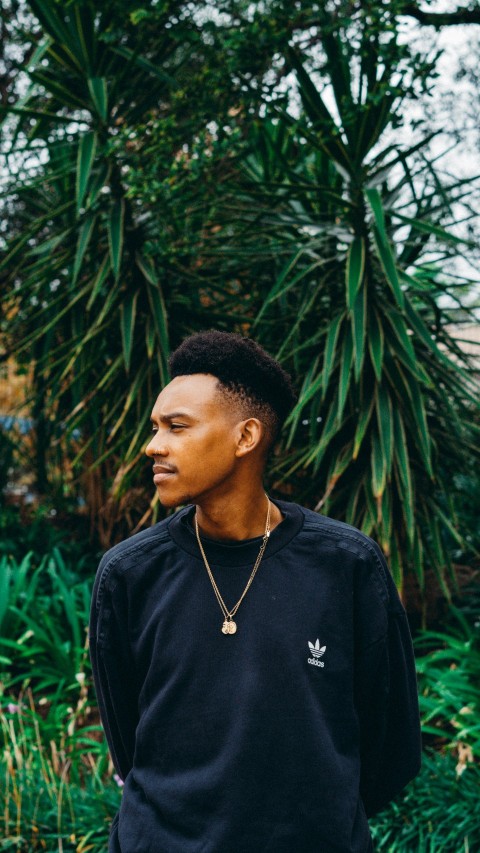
188	393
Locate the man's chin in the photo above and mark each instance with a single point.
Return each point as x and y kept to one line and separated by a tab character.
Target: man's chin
171	501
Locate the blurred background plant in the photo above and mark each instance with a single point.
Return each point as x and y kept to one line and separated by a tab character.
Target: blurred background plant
278	169
44	610
195	182
54	790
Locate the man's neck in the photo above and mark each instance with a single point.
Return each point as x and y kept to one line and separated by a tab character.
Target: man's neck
237	519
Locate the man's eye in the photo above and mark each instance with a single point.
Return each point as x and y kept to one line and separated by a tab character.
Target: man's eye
176	426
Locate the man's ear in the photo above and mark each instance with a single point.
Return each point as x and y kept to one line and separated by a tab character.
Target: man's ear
250	436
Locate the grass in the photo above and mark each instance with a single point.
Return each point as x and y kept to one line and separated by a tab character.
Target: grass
57	794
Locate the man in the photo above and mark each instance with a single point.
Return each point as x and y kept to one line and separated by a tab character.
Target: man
252	659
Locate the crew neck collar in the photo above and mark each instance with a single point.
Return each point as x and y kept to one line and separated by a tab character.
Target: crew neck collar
239	553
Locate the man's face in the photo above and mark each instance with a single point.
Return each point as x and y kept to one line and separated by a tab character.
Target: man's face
194	442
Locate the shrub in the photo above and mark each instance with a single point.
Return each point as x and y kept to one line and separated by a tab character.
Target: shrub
43	616
53	793
449	687
438	812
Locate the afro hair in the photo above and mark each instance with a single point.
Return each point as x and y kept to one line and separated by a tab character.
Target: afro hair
243	369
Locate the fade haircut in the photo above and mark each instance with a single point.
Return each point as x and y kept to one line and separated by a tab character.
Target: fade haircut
246	374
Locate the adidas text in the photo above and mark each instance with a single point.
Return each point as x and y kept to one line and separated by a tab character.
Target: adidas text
317	651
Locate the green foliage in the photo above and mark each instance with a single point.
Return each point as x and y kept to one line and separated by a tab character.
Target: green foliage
56	785
438	810
436	814
6	459
329	234
449	687
42	529
178	189
43	617
53	792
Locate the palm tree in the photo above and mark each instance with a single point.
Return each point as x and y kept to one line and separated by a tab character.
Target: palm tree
302	222
331	230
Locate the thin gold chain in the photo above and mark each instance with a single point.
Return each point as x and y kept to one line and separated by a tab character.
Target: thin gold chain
229	614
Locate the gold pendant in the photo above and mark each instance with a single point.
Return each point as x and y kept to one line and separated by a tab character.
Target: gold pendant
229	627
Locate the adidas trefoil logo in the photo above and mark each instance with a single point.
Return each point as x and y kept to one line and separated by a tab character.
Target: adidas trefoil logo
317	652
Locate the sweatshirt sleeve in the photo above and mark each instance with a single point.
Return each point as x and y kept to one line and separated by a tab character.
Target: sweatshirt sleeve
386	696
112	666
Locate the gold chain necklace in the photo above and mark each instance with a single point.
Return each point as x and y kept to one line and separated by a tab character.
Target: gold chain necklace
229	626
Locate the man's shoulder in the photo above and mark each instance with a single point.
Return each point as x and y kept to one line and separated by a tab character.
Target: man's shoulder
146	540
330	534
345	535
131	556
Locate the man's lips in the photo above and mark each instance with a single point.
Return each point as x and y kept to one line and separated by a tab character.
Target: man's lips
160	472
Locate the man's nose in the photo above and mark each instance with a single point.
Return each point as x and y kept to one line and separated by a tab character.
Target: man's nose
156	447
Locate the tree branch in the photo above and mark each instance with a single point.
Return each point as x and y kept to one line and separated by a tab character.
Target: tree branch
442	19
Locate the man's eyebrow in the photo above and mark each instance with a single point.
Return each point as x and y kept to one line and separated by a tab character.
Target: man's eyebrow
171	416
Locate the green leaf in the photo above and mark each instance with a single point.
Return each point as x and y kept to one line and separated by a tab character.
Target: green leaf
422	432
338	466
284	285
304	397
86	156
418	561
159	313
375	201
99	279
330	347
396	564
376	341
98	180
385	253
330	428
345	366
62	93
328	134
5	576
400	345
132	396
48	246
127	325
384	508
141	430
364	416
358	329
84	237
355	269
98	89
27	112
420	329
150	337
145	64
430	228
115	234
409	399
385	425
370	516
83	30
43	329
403	467
351	514
379	471
48	15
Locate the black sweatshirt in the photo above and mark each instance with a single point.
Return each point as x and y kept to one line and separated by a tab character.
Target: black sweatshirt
280	738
